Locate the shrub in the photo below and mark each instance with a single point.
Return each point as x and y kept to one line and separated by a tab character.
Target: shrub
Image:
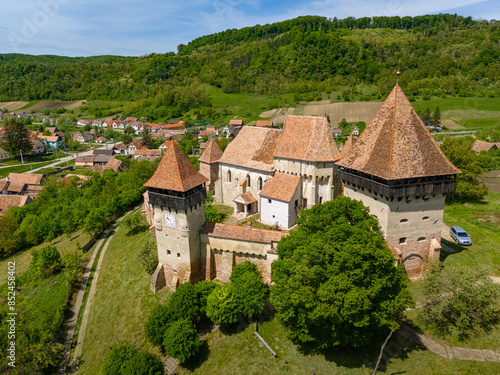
222	306
158	322
181	340
124	359
148	256
45	262
248	288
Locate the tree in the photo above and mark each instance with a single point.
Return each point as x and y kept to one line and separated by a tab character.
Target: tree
184	303
461	299
10	242
426	117
159	320
335	279
135	222
45	262
147	140
124	359
181	340
16	137
248	288
472	166
211	213
343	123
222	306
148	256
436	116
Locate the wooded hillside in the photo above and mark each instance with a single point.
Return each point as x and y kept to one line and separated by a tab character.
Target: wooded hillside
438	55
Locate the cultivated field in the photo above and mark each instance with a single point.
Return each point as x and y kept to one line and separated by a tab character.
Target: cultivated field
278	115
12	106
56	105
452	125
352	112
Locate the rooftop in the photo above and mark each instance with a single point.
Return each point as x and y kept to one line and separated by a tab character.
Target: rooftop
175	172
240	233
306	138
25	178
396	144
212	153
282	187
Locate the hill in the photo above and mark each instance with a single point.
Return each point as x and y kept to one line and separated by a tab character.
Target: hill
312	58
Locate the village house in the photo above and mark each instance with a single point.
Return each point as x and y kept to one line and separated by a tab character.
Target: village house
84	161
83	122
144	152
4	155
38	147
264	124
97	123
479	146
278	172
236	123
336	132
8	201
101	139
22	183
121	149
113	164
52	142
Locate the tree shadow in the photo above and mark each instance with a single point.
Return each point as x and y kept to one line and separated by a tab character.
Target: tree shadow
196	361
138	229
75	365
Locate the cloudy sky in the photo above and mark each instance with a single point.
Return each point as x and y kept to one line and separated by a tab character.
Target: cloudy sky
134	27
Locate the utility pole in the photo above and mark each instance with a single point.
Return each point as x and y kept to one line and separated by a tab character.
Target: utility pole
22	160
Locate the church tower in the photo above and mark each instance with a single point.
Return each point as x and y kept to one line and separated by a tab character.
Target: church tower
209	163
177	193
399	172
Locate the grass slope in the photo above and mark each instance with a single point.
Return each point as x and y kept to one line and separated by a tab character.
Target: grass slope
122	302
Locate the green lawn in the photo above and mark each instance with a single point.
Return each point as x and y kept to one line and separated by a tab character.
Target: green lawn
63	244
482	222
21	168
122	302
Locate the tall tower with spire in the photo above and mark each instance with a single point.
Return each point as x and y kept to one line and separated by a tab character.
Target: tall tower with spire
399	172
177	193
209	163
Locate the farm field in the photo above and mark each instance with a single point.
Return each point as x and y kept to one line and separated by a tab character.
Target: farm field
352	112
12	106
37	105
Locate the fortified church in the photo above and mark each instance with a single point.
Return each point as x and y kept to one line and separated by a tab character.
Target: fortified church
395	168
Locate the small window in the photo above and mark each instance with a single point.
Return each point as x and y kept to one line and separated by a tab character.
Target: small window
402	241
228	176
425	218
178	255
259	183
248	180
320	200
421	239
269	201
403	220
168	252
274	216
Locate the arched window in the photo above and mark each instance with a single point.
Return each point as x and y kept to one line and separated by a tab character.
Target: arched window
248	180
259	183
228	176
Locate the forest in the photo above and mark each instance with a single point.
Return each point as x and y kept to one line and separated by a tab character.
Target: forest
438	55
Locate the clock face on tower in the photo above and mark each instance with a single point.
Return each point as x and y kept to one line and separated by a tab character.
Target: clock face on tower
169	220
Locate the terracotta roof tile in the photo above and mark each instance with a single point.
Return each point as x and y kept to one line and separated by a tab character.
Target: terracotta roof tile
347	146
212	153
252	148
237	232
396	144
8	201
236	122
4	184
479	146
282	187
306	138
25	178
175	172
245	198
264	123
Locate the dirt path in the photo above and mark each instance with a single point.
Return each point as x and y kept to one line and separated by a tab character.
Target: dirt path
75	309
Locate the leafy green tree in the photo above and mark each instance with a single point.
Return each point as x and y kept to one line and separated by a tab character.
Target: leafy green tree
16	137
135	222
147	139
203	289
343	123
427	117
45	261
335	279
159	320
10	241
436	116
72	264
222	306
124	359
461	299
211	213
248	287
184	303
472	166
181	340
148	256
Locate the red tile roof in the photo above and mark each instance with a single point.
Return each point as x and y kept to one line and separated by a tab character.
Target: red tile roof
397	145
347	146
264	123
252	148
175	172
479	146
8	201
212	153
245	198
237	232
236	122
25	178
306	138
282	187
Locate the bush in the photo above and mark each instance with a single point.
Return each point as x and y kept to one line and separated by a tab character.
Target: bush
124	359
248	288
159	320
461	299
148	256
72	262
45	262
181	340
222	306
135	223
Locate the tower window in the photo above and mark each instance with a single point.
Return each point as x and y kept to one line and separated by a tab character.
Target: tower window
178	255
168	252
228	176
320	200
421	239
269	201
403	221
402	241
248	180
425	218
259	183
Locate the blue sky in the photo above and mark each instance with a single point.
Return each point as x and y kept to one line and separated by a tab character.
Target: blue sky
134	28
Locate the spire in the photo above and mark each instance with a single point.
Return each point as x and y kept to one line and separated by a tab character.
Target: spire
396	144
212	153
347	146
175	172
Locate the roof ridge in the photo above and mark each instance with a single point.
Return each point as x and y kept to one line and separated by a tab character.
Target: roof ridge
393	127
